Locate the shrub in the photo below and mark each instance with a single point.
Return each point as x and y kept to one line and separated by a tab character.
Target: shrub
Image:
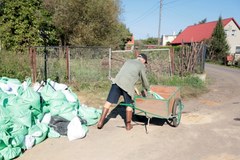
14	65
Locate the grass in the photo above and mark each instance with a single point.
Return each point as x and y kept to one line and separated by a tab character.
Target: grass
96	93
190	86
89	76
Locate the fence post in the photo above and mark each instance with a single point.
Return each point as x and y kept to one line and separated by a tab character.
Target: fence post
68	66
109	62
172	59
204	57
32	53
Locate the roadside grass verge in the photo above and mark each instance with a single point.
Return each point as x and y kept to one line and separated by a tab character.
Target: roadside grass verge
190	86
96	93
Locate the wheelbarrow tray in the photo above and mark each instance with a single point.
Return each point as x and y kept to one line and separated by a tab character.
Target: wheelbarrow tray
161	108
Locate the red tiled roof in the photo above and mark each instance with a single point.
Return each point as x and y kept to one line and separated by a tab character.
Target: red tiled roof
199	32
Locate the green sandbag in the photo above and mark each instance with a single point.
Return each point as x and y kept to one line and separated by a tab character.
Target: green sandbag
10	152
45	109
1	157
5	119
18	133
12	100
18	129
32	98
47	92
2	144
53	134
14	136
4	136
15	83
90	114
22	115
64	109
17	141
10	80
3	98
58	96
41	130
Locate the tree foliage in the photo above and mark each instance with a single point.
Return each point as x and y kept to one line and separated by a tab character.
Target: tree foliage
203	21
20	22
218	46
73	22
151	40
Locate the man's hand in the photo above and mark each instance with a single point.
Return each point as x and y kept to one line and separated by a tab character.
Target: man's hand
144	93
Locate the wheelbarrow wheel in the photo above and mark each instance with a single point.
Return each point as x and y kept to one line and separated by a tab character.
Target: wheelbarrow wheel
176	113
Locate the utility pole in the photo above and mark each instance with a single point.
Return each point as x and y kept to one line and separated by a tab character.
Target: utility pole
159	26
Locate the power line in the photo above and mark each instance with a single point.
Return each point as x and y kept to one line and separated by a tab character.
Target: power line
145	14
170	2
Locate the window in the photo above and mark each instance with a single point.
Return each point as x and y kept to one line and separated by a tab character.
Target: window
237	49
226	32
233	32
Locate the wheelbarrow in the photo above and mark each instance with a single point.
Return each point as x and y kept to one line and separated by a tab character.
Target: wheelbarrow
167	105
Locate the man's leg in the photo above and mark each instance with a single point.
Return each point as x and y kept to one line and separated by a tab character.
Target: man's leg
129	112
112	98
104	114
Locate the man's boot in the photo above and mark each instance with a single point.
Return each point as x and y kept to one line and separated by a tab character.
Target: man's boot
128	120
103	116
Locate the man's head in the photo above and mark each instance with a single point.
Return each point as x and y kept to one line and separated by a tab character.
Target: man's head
143	58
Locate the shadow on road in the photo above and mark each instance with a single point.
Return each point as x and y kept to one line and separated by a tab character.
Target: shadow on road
138	119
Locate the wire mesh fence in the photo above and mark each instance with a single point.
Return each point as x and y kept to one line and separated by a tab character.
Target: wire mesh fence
93	65
69	64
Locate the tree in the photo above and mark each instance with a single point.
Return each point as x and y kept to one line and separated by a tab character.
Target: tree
218	47
88	22
20	23
203	21
73	22
151	40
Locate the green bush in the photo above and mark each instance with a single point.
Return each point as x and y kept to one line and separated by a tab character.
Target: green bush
14	65
190	86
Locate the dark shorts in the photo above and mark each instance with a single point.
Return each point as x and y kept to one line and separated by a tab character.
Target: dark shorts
115	93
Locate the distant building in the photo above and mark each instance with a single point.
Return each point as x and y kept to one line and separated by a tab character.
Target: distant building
130	44
167	39
200	32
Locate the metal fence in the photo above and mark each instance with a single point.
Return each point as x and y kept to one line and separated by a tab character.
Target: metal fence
69	64
96	64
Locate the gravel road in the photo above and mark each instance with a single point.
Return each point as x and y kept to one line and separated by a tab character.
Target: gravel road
209	130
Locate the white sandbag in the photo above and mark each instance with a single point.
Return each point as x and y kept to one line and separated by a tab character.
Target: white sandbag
29	141
14	88
25	85
5	87
46	118
75	129
70	97
58	86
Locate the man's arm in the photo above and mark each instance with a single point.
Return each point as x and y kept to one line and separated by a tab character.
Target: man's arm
144	79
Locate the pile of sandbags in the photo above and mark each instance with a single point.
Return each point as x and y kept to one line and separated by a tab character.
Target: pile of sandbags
30	114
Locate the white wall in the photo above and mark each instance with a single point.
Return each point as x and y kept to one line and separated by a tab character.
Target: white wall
233	36
167	38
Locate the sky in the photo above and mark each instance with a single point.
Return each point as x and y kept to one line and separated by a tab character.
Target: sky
141	17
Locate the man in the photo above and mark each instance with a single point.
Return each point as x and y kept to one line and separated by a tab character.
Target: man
123	84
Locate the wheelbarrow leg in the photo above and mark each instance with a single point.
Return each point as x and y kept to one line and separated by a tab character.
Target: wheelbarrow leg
147	125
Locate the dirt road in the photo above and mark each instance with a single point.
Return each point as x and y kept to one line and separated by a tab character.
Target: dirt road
210	130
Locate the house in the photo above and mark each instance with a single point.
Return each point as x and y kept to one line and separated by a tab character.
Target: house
168	39
130	44
200	32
